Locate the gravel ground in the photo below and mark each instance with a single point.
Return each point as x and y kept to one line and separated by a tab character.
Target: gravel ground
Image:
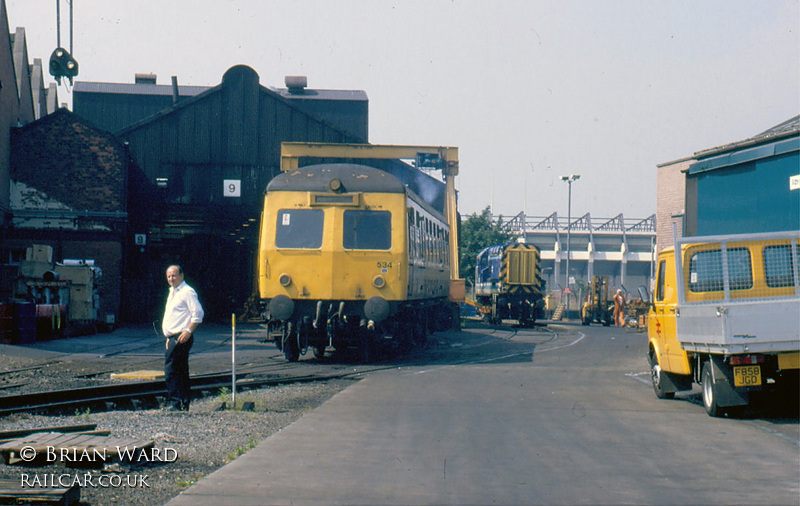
202	439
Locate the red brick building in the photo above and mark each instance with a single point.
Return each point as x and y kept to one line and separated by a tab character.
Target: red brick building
69	189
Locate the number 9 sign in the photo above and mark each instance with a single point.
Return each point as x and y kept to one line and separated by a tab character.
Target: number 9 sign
232	188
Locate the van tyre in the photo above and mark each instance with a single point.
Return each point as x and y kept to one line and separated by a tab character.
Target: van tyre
656	375
710	392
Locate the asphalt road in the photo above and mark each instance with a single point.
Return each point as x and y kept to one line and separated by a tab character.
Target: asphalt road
503	416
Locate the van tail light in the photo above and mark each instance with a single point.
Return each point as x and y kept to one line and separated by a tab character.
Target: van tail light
747	359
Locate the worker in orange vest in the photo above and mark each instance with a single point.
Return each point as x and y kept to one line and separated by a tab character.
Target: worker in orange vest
619	308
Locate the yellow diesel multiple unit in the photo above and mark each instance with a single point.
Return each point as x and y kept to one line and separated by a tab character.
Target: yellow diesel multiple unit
348	256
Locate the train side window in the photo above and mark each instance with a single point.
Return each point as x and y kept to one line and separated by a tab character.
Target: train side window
778	266
367	230
299	228
662	270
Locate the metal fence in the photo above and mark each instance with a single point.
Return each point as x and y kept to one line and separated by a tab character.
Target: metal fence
738	268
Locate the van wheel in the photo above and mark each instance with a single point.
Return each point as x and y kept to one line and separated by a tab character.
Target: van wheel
655	375
710	392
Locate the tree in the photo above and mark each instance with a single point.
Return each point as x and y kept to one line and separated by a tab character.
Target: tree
478	232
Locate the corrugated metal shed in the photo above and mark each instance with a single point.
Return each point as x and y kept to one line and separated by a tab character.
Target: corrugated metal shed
744	186
186	152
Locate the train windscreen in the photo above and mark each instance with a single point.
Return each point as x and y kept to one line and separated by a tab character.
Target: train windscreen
299	228
367	230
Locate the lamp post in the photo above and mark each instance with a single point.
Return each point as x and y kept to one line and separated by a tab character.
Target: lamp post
569	179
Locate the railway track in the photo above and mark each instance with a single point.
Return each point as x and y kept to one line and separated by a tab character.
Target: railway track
125	394
268	371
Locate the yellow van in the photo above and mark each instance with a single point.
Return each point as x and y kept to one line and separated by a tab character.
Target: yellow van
726	315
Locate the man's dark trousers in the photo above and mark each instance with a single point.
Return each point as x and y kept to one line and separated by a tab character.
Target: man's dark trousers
176	372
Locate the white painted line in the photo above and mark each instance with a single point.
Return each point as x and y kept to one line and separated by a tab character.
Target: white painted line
576	341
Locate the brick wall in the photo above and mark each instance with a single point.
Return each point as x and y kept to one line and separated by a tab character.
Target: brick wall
671	200
71	162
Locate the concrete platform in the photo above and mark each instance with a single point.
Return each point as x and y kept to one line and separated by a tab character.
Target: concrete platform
389	439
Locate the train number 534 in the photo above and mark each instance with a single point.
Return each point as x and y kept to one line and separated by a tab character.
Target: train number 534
384	265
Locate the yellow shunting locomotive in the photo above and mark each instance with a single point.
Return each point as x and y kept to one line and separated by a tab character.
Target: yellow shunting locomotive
349	257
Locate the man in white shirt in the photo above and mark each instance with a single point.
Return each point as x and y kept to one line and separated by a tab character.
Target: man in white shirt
182	315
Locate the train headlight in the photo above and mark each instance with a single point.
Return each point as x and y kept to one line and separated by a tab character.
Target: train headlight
378	281
285	280
335	185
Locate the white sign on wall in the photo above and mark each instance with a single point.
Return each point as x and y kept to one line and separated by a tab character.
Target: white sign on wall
140	239
794	183
232	188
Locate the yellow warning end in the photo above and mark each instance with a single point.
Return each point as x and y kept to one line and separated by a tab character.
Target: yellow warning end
146	375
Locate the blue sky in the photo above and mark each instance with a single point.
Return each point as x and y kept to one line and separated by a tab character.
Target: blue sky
528	90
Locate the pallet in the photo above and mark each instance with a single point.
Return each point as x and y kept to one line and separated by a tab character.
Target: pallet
84	450
13	492
558	312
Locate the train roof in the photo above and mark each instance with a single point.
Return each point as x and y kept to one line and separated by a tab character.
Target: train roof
498	248
353	178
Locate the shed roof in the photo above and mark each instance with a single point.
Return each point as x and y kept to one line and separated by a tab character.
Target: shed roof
309	94
788	128
136	89
780	139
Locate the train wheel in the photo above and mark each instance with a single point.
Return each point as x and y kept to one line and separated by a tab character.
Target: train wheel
419	334
319	352
367	349
291	348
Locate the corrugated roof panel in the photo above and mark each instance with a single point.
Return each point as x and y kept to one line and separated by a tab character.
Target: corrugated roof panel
321	94
137	89
748	155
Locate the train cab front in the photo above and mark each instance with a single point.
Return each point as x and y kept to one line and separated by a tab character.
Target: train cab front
331	265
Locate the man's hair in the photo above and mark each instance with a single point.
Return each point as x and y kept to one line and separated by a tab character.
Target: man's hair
180	269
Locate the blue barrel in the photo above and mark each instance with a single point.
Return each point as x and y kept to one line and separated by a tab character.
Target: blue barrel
24	323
